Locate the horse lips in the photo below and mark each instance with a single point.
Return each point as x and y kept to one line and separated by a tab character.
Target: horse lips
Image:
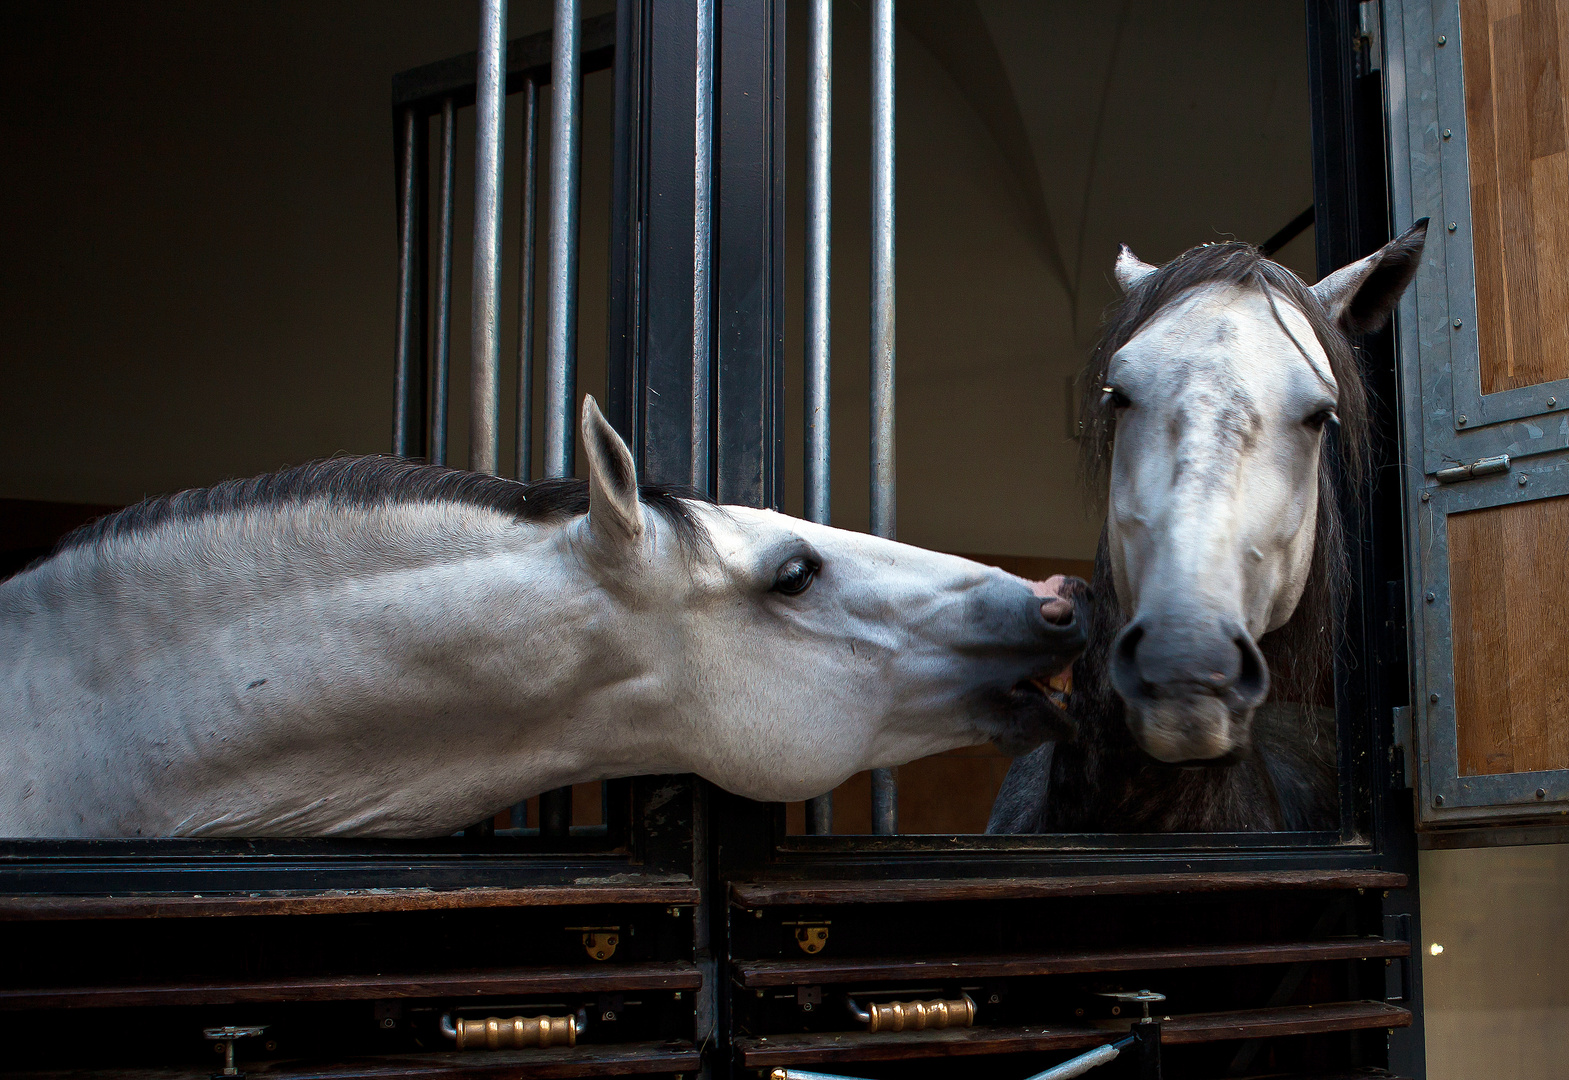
1057	608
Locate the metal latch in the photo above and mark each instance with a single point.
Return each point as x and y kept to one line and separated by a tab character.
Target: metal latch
225	1038
1488	466
916	1015
510	1033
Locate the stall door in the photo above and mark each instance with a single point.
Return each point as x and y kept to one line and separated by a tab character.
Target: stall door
1480	144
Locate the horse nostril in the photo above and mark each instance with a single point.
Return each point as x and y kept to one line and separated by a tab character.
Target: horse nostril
1252	682
1057	611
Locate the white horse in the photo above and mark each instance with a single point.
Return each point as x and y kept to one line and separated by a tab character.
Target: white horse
373	647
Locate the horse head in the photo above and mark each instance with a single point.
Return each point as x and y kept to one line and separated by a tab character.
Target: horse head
1215	383
782	656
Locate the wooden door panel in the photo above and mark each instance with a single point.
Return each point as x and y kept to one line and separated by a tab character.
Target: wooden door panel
1516	53
1510	598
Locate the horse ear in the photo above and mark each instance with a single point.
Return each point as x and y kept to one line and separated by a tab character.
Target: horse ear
615	513
1130	270
1361	295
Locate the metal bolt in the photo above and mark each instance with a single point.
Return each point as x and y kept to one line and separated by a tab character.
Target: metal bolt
1438	800
1541	793
1551	402
1433	698
758	914
1521	479
388	1022
1461	419
1457	324
1427	496
1442	39
1431	597
1447	133
1452	226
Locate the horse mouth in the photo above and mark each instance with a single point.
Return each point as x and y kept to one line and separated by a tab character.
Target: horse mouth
1053	689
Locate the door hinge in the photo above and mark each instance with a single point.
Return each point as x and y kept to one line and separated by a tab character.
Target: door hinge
1488	466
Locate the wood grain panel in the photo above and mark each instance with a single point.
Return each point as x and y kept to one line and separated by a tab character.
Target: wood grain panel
1510	593
1514	53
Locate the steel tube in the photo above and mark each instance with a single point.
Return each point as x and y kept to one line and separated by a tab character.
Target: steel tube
819	240
405	372
1078	1066
885	793
443	331
525	423
702	173
555	813
561	352
485	365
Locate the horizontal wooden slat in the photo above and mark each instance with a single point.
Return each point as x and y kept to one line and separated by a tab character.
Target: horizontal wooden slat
677	975
562	1063
800	972
753	894
769	1051
14	907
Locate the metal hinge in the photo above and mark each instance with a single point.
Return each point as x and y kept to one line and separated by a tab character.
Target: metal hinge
1488	466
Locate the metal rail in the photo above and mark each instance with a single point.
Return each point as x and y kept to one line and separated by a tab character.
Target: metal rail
523	464
443	328
489	155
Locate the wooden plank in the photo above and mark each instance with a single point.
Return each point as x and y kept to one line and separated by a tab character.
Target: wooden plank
23	908
803	972
1511	637
849	1046
675	975
559	1063
884	891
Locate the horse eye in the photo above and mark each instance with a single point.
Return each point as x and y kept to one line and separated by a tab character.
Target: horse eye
795	576
1317	421
1115	397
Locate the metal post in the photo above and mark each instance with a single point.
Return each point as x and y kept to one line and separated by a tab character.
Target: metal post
408	380
885	793
702	173
819	240
561	355
485	365
443	331
555	807
525	430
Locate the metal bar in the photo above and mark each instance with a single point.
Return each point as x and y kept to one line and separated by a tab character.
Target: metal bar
439	414
885	791
485	365
555	813
819	240
702	212
523	463
407	403
561	355
1078	1066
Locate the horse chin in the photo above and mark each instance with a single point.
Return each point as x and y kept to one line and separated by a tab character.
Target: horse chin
1192	732
1026	717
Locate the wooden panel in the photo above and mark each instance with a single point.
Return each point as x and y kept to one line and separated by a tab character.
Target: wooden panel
788	1050
804	972
557	1063
1515	54
1510	592
603	978
892	891
154	906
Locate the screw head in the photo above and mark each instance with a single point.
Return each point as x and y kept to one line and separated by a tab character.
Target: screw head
1442	40
1551	402
1457	324
388	1022
1431	597
1447	133
1541	793
1427	496
1452	226
1521	479
1438	800
1461	419
1433	698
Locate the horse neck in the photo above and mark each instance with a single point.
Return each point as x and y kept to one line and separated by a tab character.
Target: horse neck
241	676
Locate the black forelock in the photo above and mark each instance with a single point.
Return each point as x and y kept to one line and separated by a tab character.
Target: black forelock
369	482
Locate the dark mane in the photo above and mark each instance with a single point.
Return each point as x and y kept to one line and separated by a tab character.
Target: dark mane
366	482
1299	652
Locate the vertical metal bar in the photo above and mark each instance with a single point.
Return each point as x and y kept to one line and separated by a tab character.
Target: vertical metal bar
885	791
525	429
555	807
485	366
407	386
561	356
443	331
702	216
819	240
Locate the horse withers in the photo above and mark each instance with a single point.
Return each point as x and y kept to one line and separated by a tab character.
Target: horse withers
375	647
1210	399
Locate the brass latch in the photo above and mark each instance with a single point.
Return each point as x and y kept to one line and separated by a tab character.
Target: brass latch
916	1015
810	934
599	941
511	1033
